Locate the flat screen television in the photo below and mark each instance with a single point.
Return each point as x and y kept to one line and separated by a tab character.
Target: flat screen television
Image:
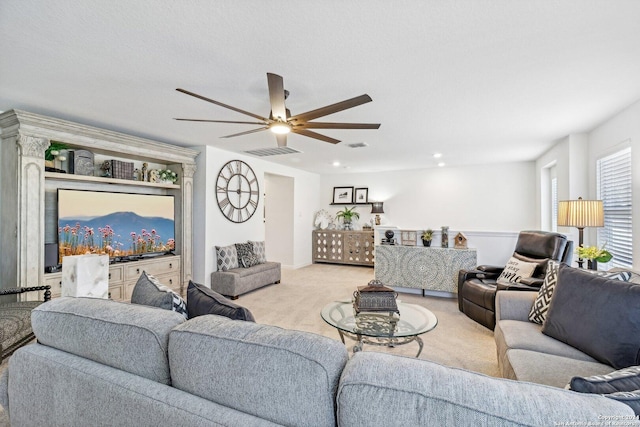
121	225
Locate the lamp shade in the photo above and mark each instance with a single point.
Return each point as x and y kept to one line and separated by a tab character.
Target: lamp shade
376	208
581	213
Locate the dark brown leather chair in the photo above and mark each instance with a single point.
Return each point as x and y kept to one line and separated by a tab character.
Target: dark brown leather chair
477	288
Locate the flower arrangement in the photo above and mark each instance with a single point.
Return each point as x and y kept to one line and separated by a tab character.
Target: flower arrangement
594	253
167	176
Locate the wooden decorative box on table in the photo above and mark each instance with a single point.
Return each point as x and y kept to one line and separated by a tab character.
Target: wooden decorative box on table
375	297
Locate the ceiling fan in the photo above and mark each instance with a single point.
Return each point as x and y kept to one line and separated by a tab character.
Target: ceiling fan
280	121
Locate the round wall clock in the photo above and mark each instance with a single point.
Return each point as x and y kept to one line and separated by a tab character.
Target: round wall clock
237	191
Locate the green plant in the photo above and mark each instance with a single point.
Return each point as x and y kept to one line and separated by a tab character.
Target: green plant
594	253
53	150
167	175
427	234
348	214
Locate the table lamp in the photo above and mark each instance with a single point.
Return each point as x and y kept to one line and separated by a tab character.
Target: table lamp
580	214
376	208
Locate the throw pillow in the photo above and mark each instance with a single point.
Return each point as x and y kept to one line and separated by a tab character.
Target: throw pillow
596	315
622	385
627	379
202	300
227	257
540	306
149	291
616	275
245	255
630	398
259	250
516	270
541	264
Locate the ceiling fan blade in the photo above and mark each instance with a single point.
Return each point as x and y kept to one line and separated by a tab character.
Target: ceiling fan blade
315	135
222	121
222	105
333	108
276	96
326	125
282	139
246	132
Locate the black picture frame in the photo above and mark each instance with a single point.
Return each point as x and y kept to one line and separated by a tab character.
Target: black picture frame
342	196
361	196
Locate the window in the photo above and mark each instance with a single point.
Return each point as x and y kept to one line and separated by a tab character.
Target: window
614	189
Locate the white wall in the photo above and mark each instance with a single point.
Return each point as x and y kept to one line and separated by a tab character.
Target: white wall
569	155
497	197
212	229
489	203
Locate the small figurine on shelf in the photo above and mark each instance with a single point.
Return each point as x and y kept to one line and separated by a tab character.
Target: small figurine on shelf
143	174
445	237
153	176
136	174
106	169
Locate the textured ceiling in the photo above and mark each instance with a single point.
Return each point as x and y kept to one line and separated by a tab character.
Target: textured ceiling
478	81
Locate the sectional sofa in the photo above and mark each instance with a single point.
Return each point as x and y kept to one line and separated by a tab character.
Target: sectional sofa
100	362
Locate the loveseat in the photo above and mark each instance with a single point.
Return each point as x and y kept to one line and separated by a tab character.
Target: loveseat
100	362
591	327
242	268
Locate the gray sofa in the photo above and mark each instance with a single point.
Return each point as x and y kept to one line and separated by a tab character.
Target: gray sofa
526	354
238	281
100	362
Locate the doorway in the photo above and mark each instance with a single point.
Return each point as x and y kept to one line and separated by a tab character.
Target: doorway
278	218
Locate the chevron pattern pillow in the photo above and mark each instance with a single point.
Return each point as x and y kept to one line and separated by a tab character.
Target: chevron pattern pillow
540	306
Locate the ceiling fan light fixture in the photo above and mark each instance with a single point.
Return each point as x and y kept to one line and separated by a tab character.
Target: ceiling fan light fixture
280	128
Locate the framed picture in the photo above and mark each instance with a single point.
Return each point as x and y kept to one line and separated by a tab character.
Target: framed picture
361	196
342	195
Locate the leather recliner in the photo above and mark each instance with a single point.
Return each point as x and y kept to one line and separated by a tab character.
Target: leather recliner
477	288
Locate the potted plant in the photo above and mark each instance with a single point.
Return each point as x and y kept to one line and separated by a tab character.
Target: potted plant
594	255
347	215
427	237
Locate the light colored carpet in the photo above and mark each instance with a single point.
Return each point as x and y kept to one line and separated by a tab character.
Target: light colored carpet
297	301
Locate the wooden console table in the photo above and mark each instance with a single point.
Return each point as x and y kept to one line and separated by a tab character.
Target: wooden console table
426	268
343	247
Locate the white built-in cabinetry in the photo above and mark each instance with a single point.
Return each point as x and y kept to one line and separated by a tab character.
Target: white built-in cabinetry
27	198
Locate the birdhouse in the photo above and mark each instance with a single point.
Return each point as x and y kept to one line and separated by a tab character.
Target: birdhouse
460	241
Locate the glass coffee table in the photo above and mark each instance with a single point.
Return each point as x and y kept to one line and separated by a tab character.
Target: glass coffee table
383	328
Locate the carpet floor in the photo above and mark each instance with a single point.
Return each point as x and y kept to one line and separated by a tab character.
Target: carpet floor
296	302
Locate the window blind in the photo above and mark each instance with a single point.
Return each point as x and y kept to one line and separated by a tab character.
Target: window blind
614	189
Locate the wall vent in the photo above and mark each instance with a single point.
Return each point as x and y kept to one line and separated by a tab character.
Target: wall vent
264	152
358	145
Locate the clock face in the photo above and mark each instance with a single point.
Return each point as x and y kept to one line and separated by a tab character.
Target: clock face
237	191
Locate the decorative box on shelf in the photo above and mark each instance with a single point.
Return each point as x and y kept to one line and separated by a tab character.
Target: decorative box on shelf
121	170
375	297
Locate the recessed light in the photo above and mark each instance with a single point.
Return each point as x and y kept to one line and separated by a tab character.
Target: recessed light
437	155
336	163
441	164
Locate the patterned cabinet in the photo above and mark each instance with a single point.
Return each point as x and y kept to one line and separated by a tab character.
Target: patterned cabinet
358	247
327	246
343	247
426	268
